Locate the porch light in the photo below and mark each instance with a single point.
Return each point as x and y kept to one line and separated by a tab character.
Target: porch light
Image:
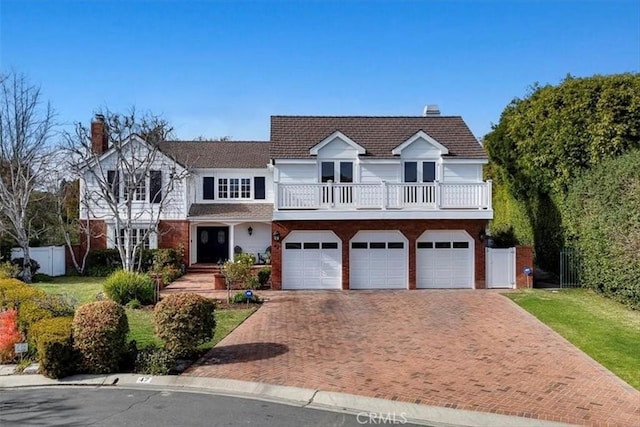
276	236
250	230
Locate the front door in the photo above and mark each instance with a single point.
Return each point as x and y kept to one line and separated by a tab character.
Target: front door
213	244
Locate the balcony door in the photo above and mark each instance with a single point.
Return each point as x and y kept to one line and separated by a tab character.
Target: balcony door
338	172
419	172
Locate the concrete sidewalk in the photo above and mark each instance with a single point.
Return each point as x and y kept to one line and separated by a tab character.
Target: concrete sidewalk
302	397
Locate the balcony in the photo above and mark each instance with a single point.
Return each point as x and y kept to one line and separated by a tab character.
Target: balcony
384	196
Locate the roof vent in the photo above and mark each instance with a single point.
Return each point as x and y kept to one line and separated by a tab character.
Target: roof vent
431	111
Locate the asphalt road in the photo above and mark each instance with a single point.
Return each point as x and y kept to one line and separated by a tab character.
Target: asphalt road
82	406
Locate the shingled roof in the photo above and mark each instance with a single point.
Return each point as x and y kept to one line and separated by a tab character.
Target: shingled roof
218	154
293	136
232	210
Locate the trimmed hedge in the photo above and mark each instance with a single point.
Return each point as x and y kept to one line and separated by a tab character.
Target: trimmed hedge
52	339
99	333
124	286
184	321
603	222
13	293
38	308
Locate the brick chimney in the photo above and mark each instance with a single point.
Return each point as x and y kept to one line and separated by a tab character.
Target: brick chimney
99	135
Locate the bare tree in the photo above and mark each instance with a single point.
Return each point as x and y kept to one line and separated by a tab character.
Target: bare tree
26	126
125	180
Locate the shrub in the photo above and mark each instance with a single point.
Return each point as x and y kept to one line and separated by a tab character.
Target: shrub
13	293
240	297
154	361
9	270
133	304
52	339
103	262
47	306
42	278
253	282
124	286
99	333
184	321
263	275
238	270
9	335
34	266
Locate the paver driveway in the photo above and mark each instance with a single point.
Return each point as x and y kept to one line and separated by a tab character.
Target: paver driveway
472	350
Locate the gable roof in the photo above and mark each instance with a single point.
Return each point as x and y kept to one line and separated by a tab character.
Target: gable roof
218	154
293	136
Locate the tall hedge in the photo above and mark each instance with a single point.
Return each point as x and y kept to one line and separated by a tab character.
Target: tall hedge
603	222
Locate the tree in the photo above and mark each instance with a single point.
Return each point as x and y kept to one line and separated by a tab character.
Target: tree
125	180
26	127
546	140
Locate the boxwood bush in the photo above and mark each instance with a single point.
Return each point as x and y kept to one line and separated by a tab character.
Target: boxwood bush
184	321
99	335
53	341
124	286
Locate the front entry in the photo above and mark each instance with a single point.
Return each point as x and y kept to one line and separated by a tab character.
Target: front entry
213	244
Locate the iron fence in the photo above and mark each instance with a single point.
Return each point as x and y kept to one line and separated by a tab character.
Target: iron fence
570	267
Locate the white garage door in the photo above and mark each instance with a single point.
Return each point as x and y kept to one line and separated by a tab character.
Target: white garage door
378	260
444	260
311	260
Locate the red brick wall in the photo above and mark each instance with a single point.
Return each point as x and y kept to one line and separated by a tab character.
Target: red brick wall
524	258
345	230
98	238
172	233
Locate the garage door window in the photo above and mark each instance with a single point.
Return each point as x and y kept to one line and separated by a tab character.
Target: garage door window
443	245
425	245
359	245
329	245
377	245
293	246
313	245
396	245
460	245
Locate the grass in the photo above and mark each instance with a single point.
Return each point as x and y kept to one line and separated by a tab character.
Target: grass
85	289
604	329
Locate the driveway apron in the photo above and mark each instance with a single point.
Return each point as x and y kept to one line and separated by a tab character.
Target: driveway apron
473	350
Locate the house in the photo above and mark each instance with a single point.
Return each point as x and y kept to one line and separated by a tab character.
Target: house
335	202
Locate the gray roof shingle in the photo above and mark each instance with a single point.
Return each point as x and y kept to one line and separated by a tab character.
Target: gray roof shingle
293	136
218	154
233	210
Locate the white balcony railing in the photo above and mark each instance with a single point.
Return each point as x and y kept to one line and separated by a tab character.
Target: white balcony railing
410	196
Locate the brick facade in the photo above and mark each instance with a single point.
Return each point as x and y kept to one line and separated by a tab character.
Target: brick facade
171	234
524	258
411	229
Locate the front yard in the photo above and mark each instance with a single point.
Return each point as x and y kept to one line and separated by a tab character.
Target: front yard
604	329
141	329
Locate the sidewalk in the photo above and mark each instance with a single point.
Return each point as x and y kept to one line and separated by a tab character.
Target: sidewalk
309	398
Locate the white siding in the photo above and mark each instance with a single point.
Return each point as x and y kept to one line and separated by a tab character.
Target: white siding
373	173
197	183
462	173
420	149
337	149
298	174
259	240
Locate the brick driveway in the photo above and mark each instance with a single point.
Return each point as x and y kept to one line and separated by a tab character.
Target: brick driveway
473	350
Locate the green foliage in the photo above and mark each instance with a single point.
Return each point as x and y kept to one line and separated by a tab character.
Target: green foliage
9	270
263	275
101	263
240	297
42	278
53	341
603	222
166	263
238	270
44	307
13	293
154	361
184	321
133	304
99	331
546	140
123	286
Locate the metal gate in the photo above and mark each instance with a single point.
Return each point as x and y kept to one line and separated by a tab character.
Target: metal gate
570	266
501	268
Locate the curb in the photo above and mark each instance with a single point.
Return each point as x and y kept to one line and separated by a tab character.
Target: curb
401	412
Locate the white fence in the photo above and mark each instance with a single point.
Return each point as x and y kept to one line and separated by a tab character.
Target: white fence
50	258
501	268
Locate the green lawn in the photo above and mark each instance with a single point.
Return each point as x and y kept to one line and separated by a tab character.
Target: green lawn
85	289
604	329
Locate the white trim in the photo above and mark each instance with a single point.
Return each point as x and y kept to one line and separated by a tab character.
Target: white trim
337	134
420	135
293	162
472	248
363	214
451	160
358	238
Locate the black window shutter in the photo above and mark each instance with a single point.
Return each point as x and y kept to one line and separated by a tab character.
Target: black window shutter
114	184
155	186
259	188
208	191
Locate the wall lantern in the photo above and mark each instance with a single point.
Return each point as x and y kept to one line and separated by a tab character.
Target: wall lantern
276	236
483	235
250	230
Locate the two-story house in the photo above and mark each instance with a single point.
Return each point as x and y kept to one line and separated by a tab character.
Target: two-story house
339	202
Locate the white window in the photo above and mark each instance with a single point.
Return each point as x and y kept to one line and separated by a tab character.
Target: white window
135	187
234	188
420	171
136	235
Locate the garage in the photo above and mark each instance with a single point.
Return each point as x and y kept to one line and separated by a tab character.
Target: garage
378	260
311	260
444	259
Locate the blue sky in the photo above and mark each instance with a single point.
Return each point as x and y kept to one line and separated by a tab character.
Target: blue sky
218	68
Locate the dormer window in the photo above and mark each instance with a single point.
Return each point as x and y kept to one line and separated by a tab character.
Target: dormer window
420	171
328	171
